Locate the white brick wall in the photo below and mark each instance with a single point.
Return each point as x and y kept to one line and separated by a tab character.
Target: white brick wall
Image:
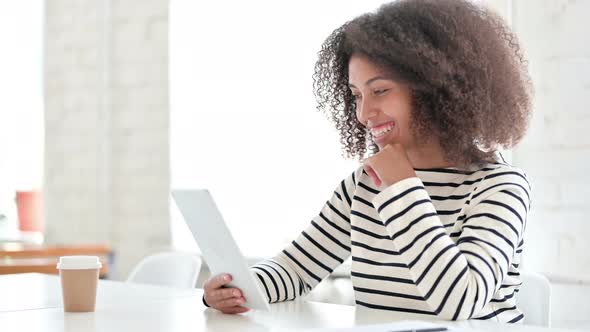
556	151
107	126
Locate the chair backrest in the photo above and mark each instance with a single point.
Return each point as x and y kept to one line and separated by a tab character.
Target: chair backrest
174	269
534	298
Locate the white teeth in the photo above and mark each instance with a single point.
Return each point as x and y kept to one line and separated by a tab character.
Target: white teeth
382	131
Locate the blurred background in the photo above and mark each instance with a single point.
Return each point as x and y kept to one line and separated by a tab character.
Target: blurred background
108	104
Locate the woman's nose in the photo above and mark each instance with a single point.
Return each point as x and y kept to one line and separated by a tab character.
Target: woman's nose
365	111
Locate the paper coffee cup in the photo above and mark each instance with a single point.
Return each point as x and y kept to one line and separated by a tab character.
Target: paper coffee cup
79	278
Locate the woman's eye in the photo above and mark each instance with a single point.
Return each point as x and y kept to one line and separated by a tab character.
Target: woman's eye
381	91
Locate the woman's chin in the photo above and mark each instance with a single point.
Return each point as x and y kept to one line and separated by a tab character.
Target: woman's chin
383	143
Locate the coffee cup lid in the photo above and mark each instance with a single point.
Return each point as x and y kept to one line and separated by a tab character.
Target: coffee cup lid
78	262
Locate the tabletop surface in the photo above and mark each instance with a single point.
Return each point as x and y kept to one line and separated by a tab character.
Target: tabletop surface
32	302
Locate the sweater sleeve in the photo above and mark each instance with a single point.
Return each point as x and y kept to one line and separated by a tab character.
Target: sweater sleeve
457	279
318	250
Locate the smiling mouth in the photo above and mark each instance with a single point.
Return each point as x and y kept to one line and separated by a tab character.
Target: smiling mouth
382	130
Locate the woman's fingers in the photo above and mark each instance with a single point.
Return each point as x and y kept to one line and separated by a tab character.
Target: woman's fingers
231	302
235	310
371	172
227	300
224	293
217	282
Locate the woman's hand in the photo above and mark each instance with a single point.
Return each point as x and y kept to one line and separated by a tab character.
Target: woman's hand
389	166
227	300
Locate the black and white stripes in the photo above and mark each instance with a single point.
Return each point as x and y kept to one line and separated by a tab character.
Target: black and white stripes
446	243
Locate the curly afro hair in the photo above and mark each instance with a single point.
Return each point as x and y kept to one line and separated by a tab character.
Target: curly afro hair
469	80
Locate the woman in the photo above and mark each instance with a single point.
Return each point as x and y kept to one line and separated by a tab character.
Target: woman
434	220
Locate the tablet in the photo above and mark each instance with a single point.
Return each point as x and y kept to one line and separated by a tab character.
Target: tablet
220	251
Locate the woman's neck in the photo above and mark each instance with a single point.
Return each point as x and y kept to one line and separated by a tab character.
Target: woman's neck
429	155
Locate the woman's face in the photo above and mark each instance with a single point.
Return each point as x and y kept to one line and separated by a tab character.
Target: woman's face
383	105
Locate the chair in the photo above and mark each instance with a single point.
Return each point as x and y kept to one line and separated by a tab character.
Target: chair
534	298
174	269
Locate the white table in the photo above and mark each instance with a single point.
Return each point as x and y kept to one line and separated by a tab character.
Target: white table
32	302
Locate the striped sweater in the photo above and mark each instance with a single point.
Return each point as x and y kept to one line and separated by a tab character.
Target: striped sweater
446	243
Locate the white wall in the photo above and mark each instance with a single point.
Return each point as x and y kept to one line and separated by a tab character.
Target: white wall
21	107
107	173
556	151
243	114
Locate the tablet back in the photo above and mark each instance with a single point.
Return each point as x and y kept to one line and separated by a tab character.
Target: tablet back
220	251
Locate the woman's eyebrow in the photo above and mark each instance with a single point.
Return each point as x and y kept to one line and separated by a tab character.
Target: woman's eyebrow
369	81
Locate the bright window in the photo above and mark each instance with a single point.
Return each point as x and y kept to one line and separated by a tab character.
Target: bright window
243	117
21	110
